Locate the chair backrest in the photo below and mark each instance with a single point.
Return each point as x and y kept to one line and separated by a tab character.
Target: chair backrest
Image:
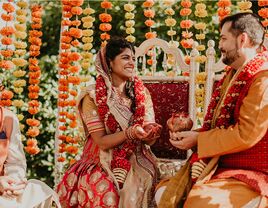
170	93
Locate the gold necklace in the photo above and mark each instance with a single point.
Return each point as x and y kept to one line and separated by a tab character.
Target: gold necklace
122	97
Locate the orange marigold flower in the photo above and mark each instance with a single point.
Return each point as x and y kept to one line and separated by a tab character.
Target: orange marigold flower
63	128
62	138
5	102
222	12
74	56
76	23
75	43
262	3
65	46
34	48
64	60
186	73
33	110
71	116
185	12
37	20
36	26
74	69
76	2
33	95
69	139
63	120
32	150
7	94
73	92
106	4
72	161
66	39
61	150
66	22
35	75
6	64
149	13
33	103
104	17
6	41
150	35
105	36
34	88
77	10
72	149
149	23
33	61
64	72
8	7
33	132
263	12
265	23
34	68
34	81
32	122
61	159
35	41
224	3
37	14
186	3
7	17
63	113
75	32
31	142
150	61
72	102
187	43
67	15
36	33
66	8
63	103
148	3
34	53
6	31
63	81
186	24
7	53
63	88
74	80
105	27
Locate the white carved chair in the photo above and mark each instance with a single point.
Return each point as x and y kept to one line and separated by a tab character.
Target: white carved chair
170	93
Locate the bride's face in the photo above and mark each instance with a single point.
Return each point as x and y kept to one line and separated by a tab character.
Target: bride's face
123	64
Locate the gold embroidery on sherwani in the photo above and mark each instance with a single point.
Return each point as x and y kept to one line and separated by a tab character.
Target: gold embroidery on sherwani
109	199
71	180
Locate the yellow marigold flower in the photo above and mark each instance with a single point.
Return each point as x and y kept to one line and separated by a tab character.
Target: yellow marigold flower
87	46
130	23
88	11
84	78
88	19
201	59
19	73
170	61
85	65
169	2
87	24
20	44
129	15
200	114
169	11
171	32
200	36
21	18
22	4
130	38
130	30
20	27
20	117
20	35
200	26
20	52
22	126
87	55
201	13
170	22
18	103
87	32
200	104
19	61
200	6
18	90
19	83
87	39
244	5
201	47
129	7
174	43
22	12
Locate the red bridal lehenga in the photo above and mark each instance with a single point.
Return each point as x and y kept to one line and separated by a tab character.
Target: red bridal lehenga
93	180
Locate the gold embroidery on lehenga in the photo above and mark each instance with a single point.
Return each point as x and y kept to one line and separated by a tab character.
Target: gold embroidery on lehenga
71	180
73	200
102	186
81	197
95	177
109	199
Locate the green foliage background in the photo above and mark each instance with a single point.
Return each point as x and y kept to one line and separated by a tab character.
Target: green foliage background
41	166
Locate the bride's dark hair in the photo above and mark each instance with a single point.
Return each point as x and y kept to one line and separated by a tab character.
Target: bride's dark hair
114	47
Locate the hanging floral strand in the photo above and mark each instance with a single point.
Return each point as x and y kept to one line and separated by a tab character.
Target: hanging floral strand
105	18
19	61
170	21
244	6
224	8
34	78
186	24
149	13
263	12
130	22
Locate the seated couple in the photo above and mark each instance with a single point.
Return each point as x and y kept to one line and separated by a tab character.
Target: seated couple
230	167
15	190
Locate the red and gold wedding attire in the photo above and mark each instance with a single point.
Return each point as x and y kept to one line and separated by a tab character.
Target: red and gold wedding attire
93	180
233	142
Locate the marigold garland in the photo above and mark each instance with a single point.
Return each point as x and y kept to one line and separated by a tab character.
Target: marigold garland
34	76
224	8
130	22
263	12
244	6
105	18
149	13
